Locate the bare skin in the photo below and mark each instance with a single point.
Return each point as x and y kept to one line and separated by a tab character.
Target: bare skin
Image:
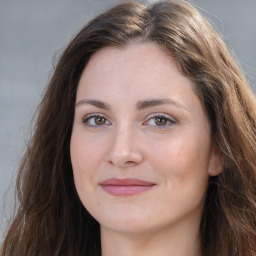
137	117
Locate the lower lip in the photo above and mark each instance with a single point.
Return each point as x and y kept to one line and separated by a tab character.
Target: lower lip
125	190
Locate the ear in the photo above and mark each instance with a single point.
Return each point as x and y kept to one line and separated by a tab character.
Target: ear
215	162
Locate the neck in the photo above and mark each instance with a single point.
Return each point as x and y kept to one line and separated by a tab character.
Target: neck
169	242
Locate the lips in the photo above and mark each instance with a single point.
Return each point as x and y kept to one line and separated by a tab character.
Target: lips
125	187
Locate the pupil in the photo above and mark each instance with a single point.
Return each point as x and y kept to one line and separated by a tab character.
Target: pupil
100	120
161	121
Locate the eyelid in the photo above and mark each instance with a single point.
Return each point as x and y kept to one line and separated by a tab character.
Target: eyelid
168	117
160	114
87	117
170	120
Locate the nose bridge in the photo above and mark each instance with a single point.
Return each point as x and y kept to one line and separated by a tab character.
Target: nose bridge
124	149
123	141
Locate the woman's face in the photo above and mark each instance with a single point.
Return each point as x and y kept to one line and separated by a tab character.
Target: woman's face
140	146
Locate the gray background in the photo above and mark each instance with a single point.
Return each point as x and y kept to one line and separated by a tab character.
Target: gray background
33	32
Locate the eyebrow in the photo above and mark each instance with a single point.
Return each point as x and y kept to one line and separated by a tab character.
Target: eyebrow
140	105
96	103
157	102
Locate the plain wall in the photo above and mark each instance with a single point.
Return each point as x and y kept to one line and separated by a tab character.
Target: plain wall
33	32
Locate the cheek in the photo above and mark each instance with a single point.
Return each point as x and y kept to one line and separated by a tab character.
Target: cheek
182	162
84	158
85	152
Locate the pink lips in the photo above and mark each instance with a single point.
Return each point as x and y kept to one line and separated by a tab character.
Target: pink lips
125	187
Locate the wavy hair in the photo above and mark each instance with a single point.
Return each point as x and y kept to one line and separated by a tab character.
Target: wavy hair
51	220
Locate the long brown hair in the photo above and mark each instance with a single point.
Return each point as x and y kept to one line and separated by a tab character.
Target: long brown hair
50	219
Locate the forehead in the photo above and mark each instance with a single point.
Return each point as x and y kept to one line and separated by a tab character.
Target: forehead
123	77
144	66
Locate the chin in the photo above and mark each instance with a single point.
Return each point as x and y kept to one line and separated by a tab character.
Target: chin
126	220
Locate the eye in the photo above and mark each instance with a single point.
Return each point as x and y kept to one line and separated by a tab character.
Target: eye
95	120
160	120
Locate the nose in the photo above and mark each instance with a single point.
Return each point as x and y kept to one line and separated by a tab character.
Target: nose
124	150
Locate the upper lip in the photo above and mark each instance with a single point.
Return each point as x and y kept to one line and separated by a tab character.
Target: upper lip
126	182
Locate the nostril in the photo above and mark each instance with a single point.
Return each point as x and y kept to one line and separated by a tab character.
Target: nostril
124	164
129	163
124	157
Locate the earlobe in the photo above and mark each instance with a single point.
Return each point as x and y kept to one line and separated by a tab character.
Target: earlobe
215	162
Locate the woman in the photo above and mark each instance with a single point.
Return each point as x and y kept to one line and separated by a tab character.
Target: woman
145	144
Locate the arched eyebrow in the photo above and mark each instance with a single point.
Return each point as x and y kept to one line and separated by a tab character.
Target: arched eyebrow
96	103
140	105
157	102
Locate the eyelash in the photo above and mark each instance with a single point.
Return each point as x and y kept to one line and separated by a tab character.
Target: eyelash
169	120
90	117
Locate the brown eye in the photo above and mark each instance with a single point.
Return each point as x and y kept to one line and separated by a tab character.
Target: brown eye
99	120
160	121
93	120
